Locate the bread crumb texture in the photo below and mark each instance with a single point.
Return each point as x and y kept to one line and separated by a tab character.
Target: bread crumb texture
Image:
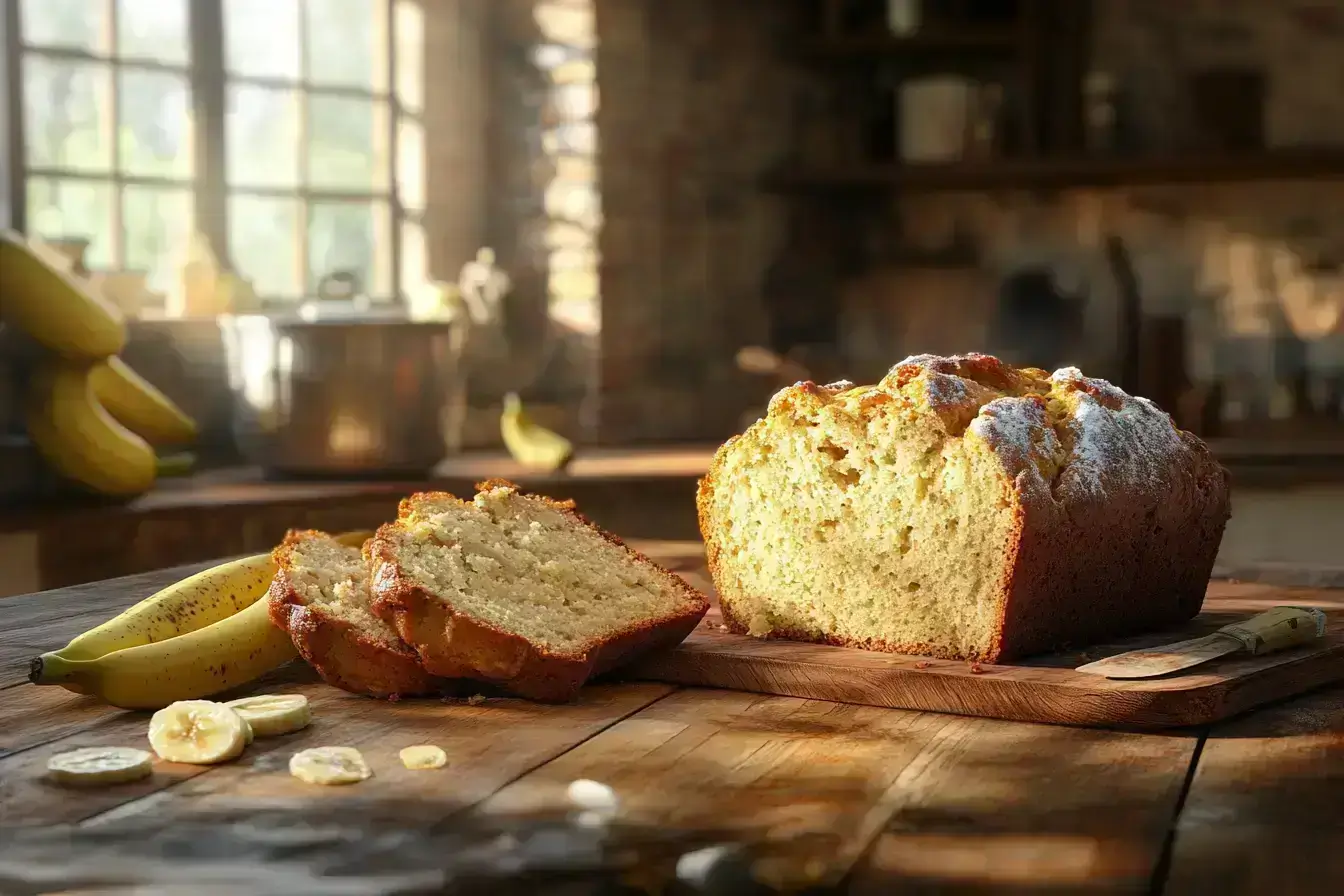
334	579
930	512
530	567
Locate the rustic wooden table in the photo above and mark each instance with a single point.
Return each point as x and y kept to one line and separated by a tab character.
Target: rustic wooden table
866	800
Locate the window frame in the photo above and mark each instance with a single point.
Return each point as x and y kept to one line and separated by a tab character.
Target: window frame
208	80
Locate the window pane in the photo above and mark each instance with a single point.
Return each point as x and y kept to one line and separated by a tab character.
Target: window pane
153	29
75	24
261	130
66	209
409	22
65	124
351	236
411	164
156	222
261	38
264	244
155	132
347	43
414	257
347	143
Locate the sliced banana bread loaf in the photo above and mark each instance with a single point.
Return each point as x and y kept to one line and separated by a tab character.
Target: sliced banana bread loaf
321	597
961	508
521	591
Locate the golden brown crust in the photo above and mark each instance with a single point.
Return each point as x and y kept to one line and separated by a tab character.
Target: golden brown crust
341	654
454	644
1080	568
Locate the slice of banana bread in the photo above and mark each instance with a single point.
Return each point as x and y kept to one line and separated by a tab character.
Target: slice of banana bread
521	591
320	596
961	508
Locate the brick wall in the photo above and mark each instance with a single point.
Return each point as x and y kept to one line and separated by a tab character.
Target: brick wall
492	110
696	106
688	124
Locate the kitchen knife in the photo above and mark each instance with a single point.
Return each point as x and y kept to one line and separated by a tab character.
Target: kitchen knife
1275	629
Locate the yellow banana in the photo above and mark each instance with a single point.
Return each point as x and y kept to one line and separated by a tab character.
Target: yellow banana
192	666
531	444
136	404
54	308
80	440
192	604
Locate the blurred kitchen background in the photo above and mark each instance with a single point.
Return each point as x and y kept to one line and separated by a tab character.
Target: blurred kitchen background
326	218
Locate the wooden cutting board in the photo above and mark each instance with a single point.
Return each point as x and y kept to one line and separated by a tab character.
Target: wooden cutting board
1042	690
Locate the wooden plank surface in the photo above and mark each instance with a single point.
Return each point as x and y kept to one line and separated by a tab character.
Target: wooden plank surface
1010	808
1038	690
918	800
1265	811
892	800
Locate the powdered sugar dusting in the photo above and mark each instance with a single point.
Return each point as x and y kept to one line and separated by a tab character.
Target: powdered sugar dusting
1019	430
943	390
1131	447
1116	443
930	362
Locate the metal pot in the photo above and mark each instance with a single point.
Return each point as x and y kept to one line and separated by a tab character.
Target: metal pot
355	396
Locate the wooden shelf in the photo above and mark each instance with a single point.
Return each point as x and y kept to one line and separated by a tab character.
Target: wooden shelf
879	46
1065	173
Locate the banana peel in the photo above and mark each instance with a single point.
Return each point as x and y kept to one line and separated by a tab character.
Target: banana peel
532	445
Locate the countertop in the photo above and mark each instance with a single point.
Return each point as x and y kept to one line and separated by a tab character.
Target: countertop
248	485
859	799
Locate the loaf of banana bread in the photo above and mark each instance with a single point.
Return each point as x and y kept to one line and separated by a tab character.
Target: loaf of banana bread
962	508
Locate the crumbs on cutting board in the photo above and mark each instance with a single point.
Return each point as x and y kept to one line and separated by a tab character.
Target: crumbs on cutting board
923	664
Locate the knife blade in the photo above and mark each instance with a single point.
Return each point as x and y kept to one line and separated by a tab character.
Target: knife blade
1275	629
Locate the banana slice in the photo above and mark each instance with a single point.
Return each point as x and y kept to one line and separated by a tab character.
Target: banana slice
273	714
199	732
424	756
98	766
329	765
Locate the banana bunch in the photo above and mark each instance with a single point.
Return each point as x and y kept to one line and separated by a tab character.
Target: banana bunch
93	419
201	636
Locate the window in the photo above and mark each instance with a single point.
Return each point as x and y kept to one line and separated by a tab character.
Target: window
107	126
319	167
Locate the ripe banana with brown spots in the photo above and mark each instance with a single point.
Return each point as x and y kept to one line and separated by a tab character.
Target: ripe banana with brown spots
183	607
205	635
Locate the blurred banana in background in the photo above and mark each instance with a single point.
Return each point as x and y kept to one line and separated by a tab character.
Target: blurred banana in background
58	311
137	405
93	419
531	444
79	439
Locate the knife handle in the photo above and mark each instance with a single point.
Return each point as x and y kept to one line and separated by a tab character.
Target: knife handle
1277	629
